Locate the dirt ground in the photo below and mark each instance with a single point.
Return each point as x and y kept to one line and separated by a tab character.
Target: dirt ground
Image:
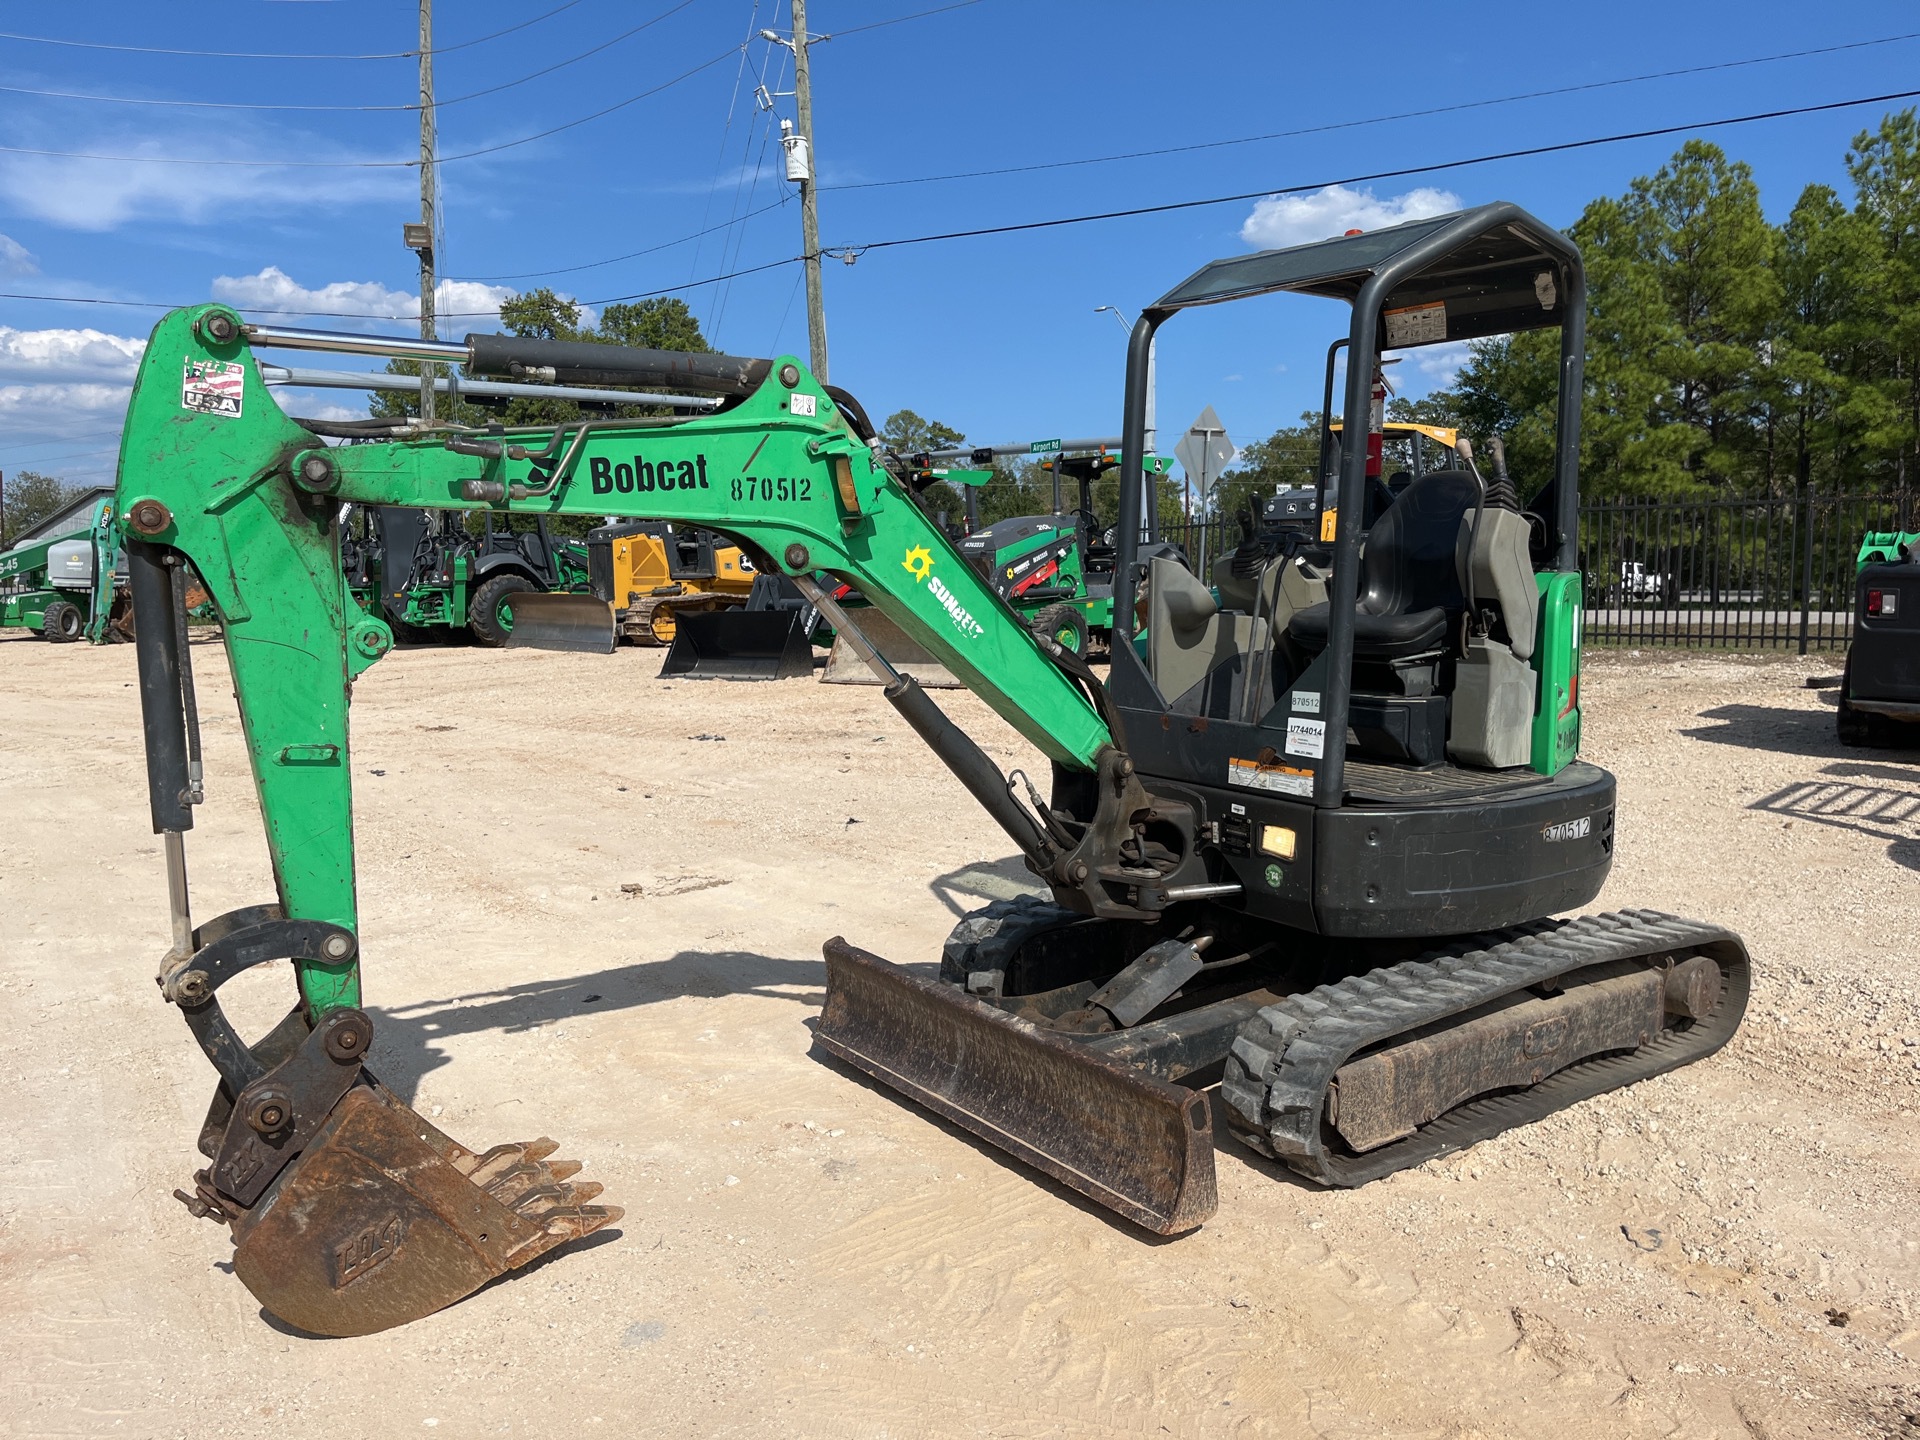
1732	1250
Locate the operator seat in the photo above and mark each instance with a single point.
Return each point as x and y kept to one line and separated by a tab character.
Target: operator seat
1410	595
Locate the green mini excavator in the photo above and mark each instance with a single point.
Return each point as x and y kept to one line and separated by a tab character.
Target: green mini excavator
1304	840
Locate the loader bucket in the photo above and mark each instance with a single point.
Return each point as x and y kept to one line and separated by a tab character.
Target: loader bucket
544	621
383	1219
1137	1145
739	645
906	655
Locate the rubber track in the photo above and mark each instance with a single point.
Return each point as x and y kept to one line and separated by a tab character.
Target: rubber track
1277	1076
636	621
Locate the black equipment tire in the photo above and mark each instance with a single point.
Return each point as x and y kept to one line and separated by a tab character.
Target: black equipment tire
484	619
1065	625
62	623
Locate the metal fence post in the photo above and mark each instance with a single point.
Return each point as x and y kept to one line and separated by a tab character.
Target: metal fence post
1806	568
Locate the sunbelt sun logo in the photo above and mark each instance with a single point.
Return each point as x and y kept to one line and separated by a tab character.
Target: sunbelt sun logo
919	563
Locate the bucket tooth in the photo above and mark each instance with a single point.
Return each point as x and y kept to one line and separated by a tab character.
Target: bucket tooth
383	1219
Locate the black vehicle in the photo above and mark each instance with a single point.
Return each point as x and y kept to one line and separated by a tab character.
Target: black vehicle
1880	691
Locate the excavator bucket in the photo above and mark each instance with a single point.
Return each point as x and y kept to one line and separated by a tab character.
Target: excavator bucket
904	654
740	645
543	621
383	1219
1135	1144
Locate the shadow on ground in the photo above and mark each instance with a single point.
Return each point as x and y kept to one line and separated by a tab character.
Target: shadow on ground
1783	731
406	1036
972	887
1844	803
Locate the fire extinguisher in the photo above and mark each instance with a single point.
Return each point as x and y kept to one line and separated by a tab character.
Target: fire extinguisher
1377	424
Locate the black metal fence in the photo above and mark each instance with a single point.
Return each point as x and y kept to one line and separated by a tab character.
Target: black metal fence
1714	574
1729	574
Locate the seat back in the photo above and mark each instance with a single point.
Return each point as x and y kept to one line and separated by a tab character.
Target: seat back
1187	635
1412	560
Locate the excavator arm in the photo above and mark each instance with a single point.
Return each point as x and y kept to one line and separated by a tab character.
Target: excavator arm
213	474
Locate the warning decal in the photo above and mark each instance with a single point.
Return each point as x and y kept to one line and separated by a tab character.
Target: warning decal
1281	779
1416	325
213	387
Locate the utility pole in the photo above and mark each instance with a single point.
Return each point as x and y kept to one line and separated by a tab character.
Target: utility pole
428	329
809	209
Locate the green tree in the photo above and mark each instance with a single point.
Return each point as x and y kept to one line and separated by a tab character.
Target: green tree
908	433
30	497
1885	167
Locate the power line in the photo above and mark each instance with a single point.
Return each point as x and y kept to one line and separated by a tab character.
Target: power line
1371	120
483	39
900	19
631	254
584	119
192	104
273	55
1399	172
373	164
358	109
1395	174
1246	140
574	60
199	54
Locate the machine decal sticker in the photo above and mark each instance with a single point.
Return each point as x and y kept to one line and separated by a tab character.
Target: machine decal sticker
1273	877
767	488
801	405
1307	737
1280	779
213	387
1568	830
1416	325
919	562
1307	702
646	476
963	620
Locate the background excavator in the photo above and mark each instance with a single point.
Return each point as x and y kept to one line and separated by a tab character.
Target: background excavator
1304	839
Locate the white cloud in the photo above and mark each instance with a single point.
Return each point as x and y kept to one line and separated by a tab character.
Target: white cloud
1282	220
96	195
16	259
43	356
1441	364
468	304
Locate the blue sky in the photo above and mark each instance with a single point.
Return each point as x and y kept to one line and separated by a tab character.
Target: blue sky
996	336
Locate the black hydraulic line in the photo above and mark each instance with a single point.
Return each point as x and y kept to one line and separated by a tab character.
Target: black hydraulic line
156	648
971	766
584	363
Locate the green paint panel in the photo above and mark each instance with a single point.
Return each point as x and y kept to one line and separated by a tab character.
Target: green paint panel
1556	660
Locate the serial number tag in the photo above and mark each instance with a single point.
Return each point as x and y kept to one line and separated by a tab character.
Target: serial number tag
1568	830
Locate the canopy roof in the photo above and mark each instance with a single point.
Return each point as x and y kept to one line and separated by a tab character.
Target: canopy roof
1487	271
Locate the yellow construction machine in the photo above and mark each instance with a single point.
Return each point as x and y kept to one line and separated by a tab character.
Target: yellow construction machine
653	572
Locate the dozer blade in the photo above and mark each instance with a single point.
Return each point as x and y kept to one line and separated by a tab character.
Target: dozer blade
739	645
900	650
383	1219
1134	1144
561	622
